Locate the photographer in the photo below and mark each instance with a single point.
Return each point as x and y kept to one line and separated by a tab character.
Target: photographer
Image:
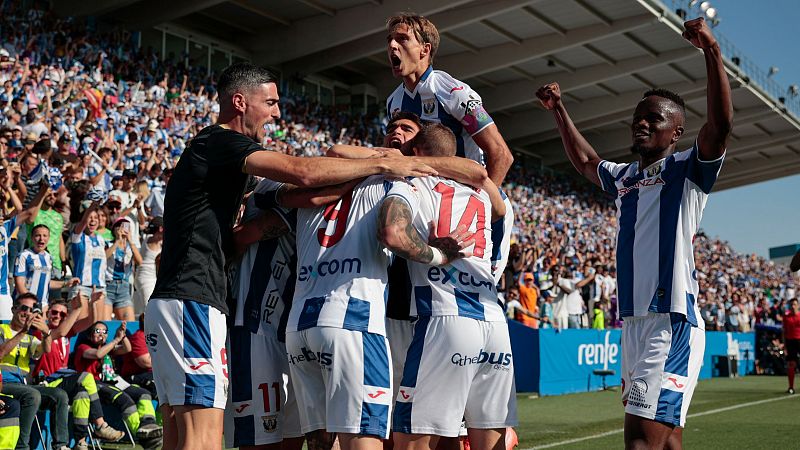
17	350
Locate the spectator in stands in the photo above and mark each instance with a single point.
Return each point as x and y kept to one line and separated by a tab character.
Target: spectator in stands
137	368
54	221
546	315
79	387
528	298
88	255
94	355
18	349
572	285
121	256
34	268
145	279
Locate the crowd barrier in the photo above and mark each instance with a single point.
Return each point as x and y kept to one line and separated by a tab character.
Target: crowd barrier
553	362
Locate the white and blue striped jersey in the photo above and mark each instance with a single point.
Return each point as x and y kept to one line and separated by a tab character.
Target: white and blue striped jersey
341	267
265	277
89	257
658	213
5	237
438	97
37	268
465	287
119	266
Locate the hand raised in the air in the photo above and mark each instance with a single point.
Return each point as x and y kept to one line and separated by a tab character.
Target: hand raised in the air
698	33
452	244
549	95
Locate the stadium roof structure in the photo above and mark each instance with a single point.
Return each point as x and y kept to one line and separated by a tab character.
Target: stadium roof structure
604	54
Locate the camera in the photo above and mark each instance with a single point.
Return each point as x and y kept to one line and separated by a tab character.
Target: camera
36	310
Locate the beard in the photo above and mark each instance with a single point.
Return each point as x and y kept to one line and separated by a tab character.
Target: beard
637	149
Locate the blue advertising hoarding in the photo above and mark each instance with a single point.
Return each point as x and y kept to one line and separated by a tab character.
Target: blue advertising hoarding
553	362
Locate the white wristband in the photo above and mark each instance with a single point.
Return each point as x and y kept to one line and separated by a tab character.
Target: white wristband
438	257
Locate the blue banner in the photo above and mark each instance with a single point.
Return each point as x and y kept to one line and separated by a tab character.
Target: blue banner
568	359
553	362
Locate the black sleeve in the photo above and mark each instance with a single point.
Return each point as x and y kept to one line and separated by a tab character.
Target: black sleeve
228	147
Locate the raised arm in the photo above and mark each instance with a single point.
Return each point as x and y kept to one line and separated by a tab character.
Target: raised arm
498	156
80	226
713	137
579	151
66	325
28	215
324	171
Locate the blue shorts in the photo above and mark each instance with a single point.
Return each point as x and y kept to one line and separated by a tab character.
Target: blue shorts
85	291
118	294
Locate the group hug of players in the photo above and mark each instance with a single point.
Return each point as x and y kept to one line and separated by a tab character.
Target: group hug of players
313	352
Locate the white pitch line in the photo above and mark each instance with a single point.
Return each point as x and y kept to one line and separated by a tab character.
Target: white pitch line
619	430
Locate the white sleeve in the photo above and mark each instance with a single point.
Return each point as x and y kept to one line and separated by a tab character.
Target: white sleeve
463	103
405	190
609	172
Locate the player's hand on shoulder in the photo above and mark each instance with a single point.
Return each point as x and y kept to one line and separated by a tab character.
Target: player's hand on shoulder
698	33
549	95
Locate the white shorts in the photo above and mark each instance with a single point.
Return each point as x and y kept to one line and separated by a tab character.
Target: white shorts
399	334
6	303
262	408
342	380
501	240
661	358
457	367
186	341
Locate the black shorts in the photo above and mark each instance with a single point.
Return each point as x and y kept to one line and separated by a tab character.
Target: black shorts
792	349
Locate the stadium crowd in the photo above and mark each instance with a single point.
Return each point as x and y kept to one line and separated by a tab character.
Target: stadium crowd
90	129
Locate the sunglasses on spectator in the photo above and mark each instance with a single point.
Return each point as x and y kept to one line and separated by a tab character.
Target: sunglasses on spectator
26	308
61	314
100	331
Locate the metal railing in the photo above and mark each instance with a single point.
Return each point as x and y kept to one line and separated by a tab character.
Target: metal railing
748	69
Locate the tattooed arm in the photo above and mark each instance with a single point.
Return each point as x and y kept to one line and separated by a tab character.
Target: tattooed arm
267	225
396	231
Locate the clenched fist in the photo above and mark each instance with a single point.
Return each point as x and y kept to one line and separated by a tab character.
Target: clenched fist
698	33
549	95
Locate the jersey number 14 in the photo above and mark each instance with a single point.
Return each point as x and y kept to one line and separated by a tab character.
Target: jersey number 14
475	208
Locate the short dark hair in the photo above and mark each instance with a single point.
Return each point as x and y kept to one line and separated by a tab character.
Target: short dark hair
243	76
26	296
404	115
669	95
58	301
435	139
424	30
36	227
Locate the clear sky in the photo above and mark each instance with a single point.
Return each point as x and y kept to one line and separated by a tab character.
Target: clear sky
755	217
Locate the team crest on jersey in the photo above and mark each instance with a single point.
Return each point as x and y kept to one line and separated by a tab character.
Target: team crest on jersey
653	171
428	106
270	423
